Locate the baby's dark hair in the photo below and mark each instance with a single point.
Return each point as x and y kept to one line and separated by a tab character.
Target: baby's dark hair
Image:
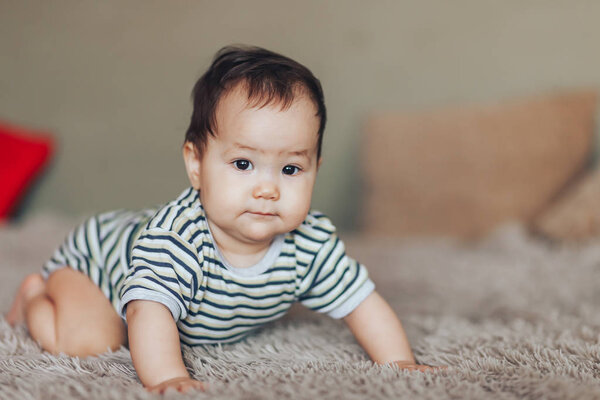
267	77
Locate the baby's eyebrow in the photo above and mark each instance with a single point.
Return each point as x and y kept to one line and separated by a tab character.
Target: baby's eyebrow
246	147
299	153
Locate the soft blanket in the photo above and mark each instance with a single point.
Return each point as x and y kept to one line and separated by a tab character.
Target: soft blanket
511	316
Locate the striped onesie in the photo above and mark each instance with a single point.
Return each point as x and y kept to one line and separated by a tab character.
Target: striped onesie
168	255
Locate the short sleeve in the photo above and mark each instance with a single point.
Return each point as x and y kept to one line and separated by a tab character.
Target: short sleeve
164	268
335	283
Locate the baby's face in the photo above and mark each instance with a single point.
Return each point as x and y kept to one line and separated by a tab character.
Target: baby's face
256	176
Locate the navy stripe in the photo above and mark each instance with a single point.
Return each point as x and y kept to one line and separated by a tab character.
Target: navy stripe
312	239
164	217
100	239
336	285
216	317
339	294
248	296
167	252
305	250
128	245
184	227
312	284
113	247
152	262
328	231
81	258
158	264
224	328
248	285
192	221
100	277
275	269
214	261
57	261
137	228
86	238
118	283
238	335
116	265
184	196
333	270
244	306
178	214
179	262
89	233
189	198
171	240
197	233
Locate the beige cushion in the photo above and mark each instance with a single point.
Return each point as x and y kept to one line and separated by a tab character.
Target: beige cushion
461	171
574	216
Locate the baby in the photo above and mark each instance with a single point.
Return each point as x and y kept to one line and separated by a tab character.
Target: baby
230	254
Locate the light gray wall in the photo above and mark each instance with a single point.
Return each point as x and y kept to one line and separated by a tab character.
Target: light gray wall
111	79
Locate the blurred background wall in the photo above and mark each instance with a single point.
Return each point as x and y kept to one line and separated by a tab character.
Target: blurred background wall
112	79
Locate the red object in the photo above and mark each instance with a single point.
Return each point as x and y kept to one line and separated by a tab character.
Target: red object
23	154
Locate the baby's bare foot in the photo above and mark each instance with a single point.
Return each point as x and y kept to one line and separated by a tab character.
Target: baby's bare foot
31	286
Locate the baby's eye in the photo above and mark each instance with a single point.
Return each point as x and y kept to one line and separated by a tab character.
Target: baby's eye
290	170
243	165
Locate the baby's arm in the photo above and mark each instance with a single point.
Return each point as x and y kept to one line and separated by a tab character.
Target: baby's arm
379	331
155	348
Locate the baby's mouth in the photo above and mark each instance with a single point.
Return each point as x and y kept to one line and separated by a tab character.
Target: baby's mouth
262	214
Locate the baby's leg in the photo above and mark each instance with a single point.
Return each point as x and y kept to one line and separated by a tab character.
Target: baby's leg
74	317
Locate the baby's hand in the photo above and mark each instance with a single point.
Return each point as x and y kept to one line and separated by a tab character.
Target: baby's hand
183	385
411	366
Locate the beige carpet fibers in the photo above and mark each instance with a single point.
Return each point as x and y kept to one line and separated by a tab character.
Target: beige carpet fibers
512	317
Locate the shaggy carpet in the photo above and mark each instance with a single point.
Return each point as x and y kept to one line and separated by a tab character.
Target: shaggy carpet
511	316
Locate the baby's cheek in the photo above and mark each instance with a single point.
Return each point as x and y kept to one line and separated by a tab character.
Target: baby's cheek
224	200
234	190
298	212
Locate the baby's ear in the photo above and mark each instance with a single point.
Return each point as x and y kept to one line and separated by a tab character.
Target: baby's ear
319	162
192	164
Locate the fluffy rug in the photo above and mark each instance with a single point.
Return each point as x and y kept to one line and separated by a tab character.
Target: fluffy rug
511	317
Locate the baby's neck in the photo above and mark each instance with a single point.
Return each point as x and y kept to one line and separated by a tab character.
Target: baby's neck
239	254
243	260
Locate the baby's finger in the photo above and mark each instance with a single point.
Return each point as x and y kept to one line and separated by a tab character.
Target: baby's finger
160	389
180	387
185	387
430	368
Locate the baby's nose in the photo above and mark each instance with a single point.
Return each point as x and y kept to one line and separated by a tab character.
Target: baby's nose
266	190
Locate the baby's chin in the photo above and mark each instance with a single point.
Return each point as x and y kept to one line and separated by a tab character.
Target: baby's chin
258	236
265	234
